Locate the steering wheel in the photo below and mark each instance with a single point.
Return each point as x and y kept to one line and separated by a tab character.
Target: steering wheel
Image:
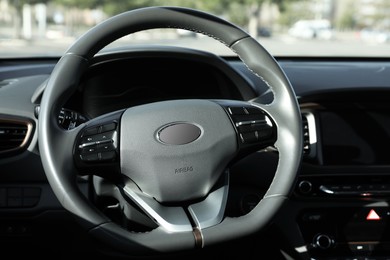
167	162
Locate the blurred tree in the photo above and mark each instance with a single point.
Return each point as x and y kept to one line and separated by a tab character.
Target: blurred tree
247	13
80	4
347	20
294	12
243	12
18	5
112	7
380	18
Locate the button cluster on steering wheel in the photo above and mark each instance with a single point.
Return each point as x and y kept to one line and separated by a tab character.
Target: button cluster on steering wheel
252	124
98	143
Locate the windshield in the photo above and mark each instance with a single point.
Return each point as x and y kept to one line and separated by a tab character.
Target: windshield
304	28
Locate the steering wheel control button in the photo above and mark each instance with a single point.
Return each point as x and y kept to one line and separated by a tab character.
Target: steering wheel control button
107	127
104	138
179	133
89	140
249	137
89	157
237	111
252	124
107	156
98	143
106	147
90	131
88	150
253	111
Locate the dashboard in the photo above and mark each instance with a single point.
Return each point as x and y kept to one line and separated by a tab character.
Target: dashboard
339	207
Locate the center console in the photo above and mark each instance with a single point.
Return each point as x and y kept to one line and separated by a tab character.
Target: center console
341	199
344	217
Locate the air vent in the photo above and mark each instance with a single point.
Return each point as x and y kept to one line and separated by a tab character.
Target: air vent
309	135
14	135
306	136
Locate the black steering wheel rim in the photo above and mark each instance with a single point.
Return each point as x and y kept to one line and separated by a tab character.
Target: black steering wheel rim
55	149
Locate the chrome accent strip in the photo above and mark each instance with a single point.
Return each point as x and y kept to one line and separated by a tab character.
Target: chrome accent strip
251	122
326	190
173	219
210	211
312	129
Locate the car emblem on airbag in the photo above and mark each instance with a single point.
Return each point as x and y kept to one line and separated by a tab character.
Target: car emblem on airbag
178	133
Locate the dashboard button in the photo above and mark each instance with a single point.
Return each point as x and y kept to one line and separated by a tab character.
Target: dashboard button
237	111
30	202
89	139
15	192
259	126
32	192
105	147
89	157
323	241
14	202
305	187
107	128
105	137
249	137
89	150
107	155
360	247
90	131
264	133
253	111
245	128
313	217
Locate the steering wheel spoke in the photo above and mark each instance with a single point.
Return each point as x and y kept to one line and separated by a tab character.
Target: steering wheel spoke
173	218
210	211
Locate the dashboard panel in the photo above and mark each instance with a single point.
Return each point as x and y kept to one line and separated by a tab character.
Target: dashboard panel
122	82
345	172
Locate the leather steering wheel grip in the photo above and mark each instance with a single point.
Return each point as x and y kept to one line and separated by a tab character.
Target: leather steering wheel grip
56	148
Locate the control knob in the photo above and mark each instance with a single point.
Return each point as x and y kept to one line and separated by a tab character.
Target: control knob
323	241
305	187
